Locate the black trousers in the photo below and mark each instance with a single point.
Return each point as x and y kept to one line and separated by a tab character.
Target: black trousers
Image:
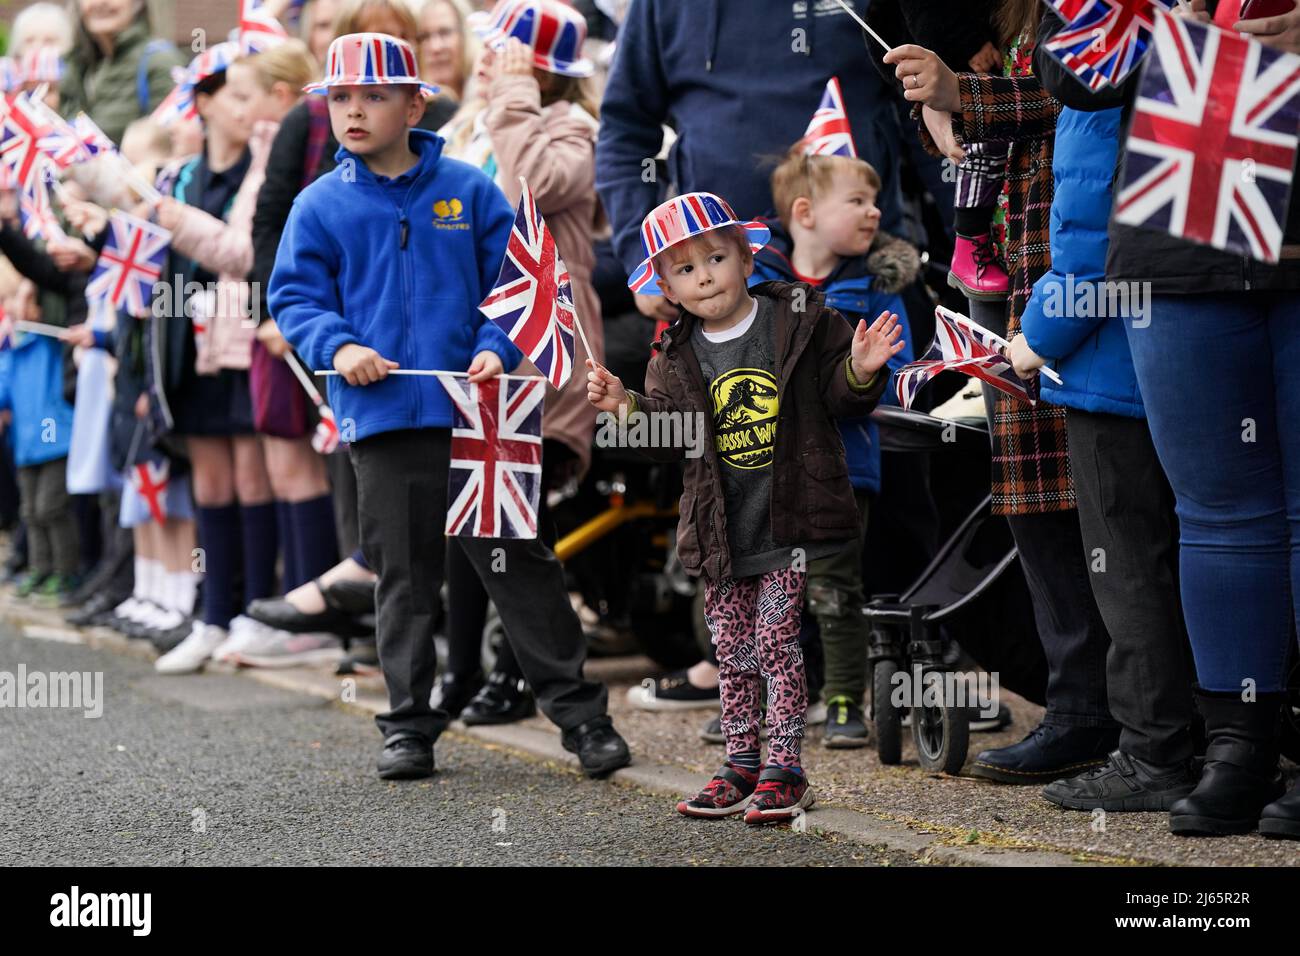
1130	540
402	509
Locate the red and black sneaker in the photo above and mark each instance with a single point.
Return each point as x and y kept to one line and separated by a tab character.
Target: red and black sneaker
780	792
727	793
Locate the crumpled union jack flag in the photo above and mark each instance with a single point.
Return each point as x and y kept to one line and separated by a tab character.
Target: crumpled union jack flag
149	478
532	301
129	264
1212	142
495	480
962	346
23	129
828	134
1103	41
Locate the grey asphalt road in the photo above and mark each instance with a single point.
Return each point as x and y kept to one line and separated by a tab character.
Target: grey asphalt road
221	770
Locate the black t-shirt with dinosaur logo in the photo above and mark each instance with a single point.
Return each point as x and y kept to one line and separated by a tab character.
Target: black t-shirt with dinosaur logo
741	373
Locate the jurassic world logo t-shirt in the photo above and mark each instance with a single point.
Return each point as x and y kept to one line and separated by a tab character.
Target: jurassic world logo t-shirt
740	367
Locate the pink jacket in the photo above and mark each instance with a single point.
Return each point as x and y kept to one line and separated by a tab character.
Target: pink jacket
225	330
554	149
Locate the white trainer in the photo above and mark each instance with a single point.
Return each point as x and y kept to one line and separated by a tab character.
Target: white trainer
190	654
243	630
275	648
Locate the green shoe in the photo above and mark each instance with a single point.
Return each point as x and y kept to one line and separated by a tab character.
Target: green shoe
28	583
54	587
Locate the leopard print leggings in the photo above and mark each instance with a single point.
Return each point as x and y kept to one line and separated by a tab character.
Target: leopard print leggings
754	623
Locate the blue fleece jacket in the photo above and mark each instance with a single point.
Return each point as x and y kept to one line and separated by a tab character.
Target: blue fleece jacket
850	290
739	81
1068	317
399	265
31	385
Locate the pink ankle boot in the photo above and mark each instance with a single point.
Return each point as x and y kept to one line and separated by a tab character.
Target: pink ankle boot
976	270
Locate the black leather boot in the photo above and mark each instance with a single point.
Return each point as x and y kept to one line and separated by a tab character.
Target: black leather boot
1281	818
1240	776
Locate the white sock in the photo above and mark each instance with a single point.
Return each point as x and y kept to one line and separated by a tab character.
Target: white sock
139	590
183	587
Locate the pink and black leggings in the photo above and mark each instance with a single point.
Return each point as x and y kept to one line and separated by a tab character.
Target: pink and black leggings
754	623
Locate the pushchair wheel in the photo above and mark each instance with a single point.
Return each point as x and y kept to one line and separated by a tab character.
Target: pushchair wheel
887	718
942	737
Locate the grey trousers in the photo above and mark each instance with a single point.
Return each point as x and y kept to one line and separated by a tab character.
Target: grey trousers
402	509
1130	540
47	511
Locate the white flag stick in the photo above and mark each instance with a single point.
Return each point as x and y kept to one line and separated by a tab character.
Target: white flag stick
435	371
39	328
862	23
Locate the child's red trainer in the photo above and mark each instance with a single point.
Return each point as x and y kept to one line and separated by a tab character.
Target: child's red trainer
727	793
780	792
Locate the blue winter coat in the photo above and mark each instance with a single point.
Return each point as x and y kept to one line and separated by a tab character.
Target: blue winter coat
857	292
31	386
1070	318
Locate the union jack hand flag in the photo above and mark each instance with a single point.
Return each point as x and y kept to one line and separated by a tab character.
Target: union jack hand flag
20	136
149	479
1212	142
962	346
532	301
828	134
37	212
61	142
8	331
92	137
258	29
1104	40
495	480
130	263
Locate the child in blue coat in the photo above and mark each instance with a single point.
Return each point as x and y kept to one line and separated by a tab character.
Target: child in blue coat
827	235
382	266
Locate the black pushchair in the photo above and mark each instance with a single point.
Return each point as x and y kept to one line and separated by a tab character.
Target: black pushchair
972	595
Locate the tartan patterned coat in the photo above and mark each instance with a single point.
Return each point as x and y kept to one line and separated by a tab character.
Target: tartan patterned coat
1031	463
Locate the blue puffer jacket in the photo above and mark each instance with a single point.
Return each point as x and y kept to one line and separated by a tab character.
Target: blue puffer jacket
1069	318
399	265
858	288
31	385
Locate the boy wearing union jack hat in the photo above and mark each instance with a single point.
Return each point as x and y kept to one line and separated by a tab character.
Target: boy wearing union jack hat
382	265
771	368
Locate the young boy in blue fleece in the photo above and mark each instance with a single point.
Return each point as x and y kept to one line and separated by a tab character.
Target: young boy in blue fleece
381	266
828	236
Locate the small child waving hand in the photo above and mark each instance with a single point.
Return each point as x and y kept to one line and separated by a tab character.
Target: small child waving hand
768	370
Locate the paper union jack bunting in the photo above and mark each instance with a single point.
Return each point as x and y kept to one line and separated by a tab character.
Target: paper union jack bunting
962	346
149	479
130	264
258	29
494	484
828	134
1103	41
532	301
1212	142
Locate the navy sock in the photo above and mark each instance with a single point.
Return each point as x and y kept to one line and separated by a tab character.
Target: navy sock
292	576
219	538
258	525
359	558
745	760
314	537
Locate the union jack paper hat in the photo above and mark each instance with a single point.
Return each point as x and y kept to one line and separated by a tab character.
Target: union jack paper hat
41	64
179	103
680	218
554	30
369	59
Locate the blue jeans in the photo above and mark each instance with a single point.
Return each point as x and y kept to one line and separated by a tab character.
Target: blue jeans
1220	377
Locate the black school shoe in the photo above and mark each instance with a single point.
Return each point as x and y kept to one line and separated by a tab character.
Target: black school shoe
406	756
453	693
502	700
598	745
1124	783
672	692
1050	752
